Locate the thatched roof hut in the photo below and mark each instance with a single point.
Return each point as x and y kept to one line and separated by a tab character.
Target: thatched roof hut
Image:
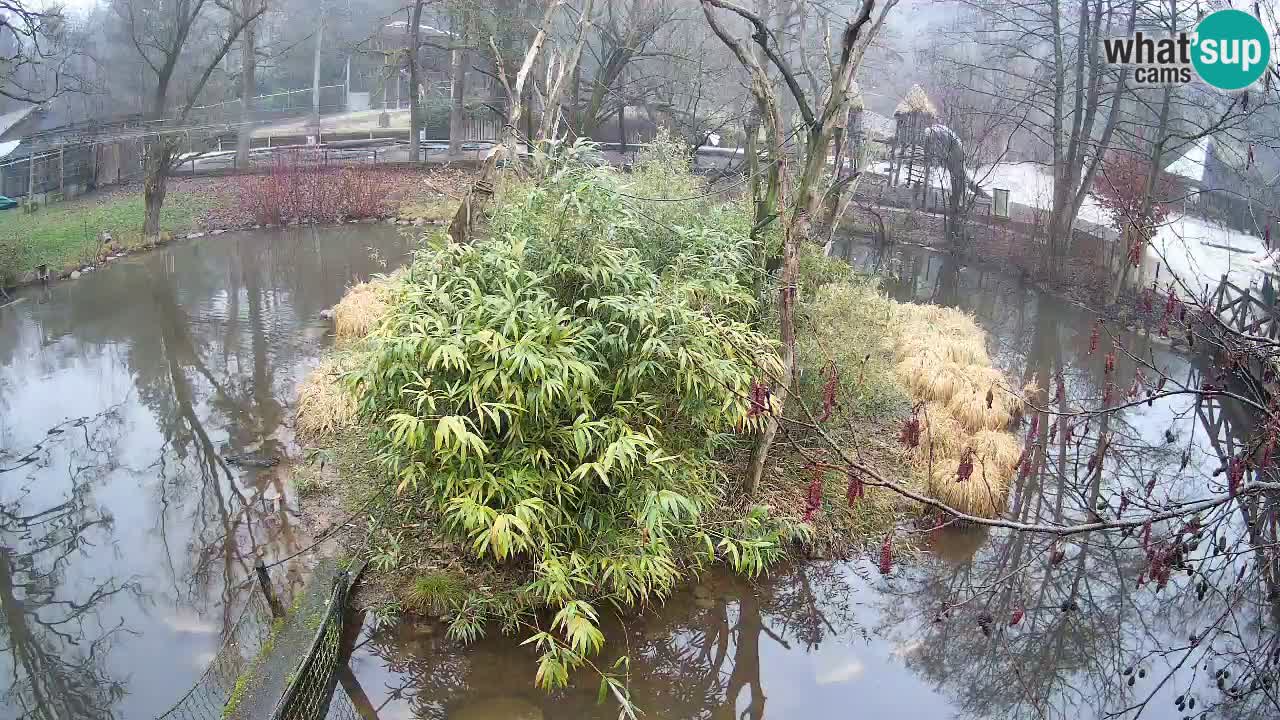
916	101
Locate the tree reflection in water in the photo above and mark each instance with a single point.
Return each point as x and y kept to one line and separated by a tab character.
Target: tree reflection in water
55	639
199	347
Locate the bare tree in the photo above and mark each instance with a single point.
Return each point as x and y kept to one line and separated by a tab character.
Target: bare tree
461	229
1048	56
248	76
170	38
559	72
412	48
34	62
820	119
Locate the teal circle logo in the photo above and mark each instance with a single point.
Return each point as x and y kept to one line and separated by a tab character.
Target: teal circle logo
1231	50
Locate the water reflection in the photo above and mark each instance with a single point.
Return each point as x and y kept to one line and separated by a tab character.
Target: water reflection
126	536
988	623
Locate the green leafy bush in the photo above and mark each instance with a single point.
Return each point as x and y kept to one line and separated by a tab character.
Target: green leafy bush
556	397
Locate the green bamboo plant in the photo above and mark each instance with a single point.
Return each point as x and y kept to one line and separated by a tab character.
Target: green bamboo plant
559	394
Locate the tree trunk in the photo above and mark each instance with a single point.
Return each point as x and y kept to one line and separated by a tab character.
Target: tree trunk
315	72
550	124
1142	234
457	93
415	104
248	87
154	186
462	228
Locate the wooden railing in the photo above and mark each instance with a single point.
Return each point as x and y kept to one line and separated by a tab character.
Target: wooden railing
1245	311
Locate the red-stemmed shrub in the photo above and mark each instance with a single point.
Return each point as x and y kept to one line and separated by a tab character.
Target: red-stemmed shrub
297	192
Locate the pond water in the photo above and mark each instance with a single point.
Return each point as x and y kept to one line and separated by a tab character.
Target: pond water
834	639
125	535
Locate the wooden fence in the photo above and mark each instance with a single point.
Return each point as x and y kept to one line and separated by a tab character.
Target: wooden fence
1248	311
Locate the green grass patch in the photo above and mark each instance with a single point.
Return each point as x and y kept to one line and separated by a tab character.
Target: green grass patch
66	235
437	592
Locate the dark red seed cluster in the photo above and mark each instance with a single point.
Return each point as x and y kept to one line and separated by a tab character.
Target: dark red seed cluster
813	503
965	470
856	489
1135	253
760	400
1235	475
909	437
1161	562
1094	336
886	555
829	392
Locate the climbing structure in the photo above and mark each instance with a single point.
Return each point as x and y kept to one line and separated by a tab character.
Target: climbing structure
913	116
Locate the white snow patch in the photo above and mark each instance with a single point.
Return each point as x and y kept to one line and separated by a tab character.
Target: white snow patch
1191	164
1200	252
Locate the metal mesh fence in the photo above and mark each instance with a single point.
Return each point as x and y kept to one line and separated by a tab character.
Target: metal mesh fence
48	172
307	696
239	650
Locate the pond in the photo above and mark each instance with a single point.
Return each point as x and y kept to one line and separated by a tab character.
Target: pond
126	537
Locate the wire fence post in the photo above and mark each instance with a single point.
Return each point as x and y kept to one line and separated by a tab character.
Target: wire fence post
31	180
264	581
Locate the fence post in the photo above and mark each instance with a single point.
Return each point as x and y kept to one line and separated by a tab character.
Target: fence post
31	179
265	583
62	174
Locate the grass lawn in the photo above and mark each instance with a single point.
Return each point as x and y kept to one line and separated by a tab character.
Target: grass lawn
65	235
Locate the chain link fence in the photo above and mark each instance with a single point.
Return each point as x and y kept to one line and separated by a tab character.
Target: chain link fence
240	649
311	685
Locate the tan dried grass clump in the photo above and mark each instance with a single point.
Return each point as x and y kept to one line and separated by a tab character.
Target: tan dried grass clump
983	494
941	357
363	307
325	405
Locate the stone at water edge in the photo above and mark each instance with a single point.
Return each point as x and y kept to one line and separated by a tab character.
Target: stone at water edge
419	222
75	274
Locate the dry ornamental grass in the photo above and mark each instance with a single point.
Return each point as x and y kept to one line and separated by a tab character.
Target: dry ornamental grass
965	449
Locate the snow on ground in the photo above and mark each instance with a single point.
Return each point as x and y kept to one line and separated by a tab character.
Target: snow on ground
1032	185
1194	249
1199	252
1028	184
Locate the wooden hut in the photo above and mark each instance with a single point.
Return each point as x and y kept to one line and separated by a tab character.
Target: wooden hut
907	150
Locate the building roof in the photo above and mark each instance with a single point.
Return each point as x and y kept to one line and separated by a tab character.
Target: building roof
916	101
1191	164
426	29
10	119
